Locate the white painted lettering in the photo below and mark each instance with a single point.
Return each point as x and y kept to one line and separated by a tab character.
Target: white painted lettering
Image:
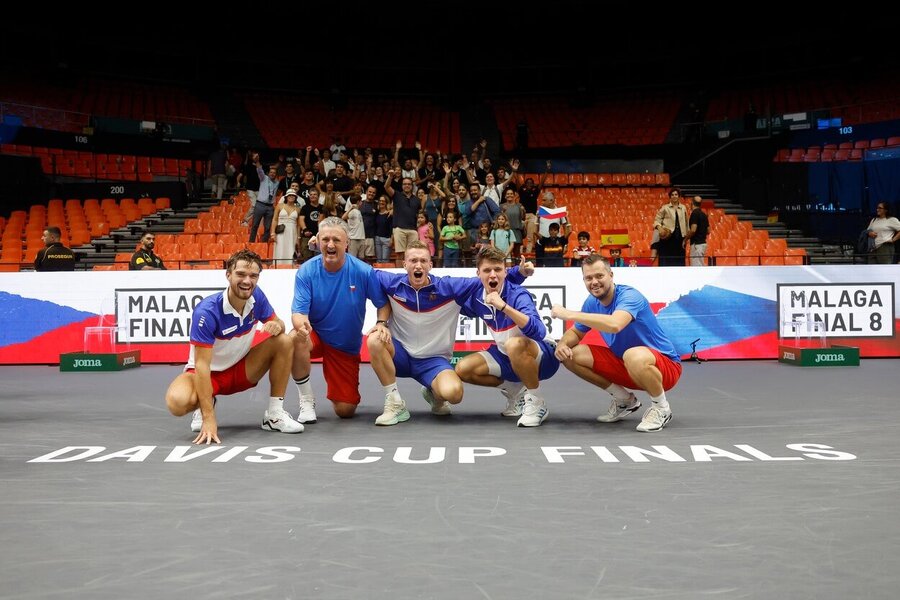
821	452
273	454
762	455
133	454
345	455
229	454
183	454
60	455
403	455
604	454
468	454
640	455
554	454
704	453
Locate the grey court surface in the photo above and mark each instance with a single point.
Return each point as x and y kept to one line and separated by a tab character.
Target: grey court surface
771	481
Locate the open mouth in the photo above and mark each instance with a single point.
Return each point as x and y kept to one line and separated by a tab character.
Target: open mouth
418	274
493	284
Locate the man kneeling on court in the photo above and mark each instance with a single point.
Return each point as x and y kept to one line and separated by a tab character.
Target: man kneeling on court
520	352
329	307
221	359
424	317
639	356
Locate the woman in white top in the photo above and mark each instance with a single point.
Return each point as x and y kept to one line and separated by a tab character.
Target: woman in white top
286	241
885	230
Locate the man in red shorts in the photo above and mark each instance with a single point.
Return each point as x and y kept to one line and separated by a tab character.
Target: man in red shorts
639	356
222	361
330	293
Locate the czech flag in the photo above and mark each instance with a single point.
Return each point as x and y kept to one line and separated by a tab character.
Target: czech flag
552	213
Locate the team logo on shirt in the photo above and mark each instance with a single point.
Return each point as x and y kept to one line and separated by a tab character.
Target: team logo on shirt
398	298
229	330
352	288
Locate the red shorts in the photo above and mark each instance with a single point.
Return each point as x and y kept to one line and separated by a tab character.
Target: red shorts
612	367
341	371
230	381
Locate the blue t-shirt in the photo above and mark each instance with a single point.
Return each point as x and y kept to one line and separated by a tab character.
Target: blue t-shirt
336	302
644	329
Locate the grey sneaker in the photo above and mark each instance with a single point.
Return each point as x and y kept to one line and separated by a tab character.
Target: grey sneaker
438	407
534	412
514	403
654	419
616	411
394	411
307	412
280	420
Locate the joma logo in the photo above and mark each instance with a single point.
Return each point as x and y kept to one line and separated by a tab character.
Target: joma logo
90	362
829	358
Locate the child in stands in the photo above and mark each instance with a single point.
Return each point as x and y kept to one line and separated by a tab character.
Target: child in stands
583	250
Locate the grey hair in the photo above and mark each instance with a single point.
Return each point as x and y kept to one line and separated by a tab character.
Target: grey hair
335	222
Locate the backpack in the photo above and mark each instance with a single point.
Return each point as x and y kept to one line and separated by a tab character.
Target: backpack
865	244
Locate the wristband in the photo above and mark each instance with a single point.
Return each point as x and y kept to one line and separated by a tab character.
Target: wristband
382	323
505	304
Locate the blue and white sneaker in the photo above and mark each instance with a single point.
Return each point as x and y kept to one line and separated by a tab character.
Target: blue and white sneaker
514	402
534	412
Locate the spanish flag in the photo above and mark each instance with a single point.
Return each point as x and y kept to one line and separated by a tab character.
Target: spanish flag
615	238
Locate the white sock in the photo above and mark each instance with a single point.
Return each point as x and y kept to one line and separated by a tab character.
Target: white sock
536	393
304	386
621	395
391	388
660	401
275	404
510	387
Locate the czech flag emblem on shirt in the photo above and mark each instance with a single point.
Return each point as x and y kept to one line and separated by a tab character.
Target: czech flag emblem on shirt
552	213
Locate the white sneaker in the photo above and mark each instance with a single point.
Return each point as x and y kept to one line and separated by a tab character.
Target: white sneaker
514	403
307	412
617	412
438	407
534	412
281	420
654	419
394	411
197	421
197	417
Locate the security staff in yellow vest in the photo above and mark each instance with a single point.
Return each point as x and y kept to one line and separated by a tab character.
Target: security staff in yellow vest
144	259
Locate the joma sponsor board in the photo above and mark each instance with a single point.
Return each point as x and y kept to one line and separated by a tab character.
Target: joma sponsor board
157	315
842	309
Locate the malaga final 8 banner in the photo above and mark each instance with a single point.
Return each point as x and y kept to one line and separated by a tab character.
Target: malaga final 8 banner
734	312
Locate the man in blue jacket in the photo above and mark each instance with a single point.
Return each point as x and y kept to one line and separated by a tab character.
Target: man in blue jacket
520	352
424	317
